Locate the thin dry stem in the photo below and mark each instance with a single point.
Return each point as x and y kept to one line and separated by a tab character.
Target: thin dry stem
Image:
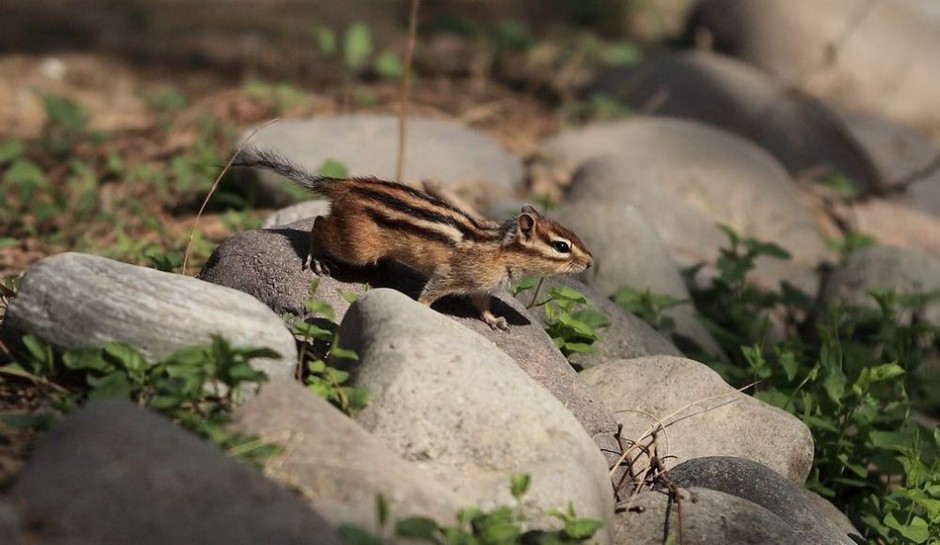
660	422
228	165
405	81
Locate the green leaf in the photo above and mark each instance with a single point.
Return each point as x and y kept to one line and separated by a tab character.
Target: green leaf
114	385
357	47
127	356
337	351
331	168
593	319
348	296
583	529
569	294
388	66
10	150
354	535
26	173
519	484
326	40
917	531
416	528
35	421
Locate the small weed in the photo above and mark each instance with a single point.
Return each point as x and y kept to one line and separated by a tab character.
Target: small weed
854	377
649	307
316	333
197	387
499	526
569	320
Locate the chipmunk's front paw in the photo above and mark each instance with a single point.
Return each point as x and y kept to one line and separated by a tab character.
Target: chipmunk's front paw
496	322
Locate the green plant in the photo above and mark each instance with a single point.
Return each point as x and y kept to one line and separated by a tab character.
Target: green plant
649	307
64	125
356	52
502	525
569	320
854	375
197	387
316	333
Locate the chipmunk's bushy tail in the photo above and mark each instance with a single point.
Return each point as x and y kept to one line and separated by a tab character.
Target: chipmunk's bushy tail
253	157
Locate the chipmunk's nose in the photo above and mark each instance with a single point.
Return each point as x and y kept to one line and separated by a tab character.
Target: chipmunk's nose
590	262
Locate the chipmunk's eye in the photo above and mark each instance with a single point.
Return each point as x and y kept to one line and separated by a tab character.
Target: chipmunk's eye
561	246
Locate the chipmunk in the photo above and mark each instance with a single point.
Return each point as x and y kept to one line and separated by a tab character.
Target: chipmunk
371	220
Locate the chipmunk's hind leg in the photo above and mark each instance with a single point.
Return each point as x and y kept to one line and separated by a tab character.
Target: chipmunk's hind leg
317	258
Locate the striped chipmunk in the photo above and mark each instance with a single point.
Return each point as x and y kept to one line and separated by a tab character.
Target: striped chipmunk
372	220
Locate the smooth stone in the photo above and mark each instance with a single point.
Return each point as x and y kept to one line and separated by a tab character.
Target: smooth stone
296	212
802	133
897	224
75	300
702	415
763	486
114	473
338	467
448	400
879	57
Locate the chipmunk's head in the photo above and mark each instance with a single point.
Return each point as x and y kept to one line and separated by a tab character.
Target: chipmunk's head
546	247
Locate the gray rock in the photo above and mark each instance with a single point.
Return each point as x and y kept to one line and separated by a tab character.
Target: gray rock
368	146
802	133
897	224
702	415
626	337
448	400
708	518
904	155
10	528
880	57
687	178
883	268
296	212
628	252
113	473
339	467
757	483
268	265
825	508
74	300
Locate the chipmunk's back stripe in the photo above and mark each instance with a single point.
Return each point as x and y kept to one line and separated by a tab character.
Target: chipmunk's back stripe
399	205
405	226
430	200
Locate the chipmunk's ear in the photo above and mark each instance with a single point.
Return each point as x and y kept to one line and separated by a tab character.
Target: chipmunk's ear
526	222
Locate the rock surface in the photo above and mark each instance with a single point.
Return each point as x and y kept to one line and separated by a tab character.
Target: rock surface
339	467
628	252
884	268
368	146
296	212
75	300
708	518
113	473
626	337
702	415
761	485
449	401
881	57
802	133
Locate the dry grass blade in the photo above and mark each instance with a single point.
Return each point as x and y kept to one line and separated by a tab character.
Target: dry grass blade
405	81
663	423
228	165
